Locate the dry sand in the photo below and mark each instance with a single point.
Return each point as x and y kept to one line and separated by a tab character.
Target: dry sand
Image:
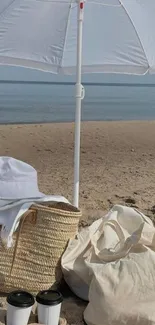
117	166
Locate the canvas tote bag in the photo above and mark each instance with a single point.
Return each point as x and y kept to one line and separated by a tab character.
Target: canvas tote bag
116	266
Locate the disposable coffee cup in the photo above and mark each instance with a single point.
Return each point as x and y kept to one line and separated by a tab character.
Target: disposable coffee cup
19	306
49	306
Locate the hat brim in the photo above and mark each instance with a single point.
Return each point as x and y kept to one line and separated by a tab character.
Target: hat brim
19	190
38	196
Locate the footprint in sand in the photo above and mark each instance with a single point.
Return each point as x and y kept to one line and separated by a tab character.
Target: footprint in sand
130	200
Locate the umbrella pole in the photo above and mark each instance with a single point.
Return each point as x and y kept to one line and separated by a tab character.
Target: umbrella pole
79	97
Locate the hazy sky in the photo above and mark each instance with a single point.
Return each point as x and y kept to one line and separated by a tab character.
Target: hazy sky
16	73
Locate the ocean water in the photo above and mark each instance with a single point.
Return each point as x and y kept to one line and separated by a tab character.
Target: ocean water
50	102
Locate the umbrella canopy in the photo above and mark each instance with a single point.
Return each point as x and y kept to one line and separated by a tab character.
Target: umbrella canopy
118	37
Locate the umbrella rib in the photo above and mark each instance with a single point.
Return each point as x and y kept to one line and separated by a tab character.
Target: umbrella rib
136	33
66	32
6	8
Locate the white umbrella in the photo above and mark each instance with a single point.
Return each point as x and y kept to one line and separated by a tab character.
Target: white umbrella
118	37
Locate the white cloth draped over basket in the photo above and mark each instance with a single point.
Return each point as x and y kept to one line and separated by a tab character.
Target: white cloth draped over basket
11	213
112	265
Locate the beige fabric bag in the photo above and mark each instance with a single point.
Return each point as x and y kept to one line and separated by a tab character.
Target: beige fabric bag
115	265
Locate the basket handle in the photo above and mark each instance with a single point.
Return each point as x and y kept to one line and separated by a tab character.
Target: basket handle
25	215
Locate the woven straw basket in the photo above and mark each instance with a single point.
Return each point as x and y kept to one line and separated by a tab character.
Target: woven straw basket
33	263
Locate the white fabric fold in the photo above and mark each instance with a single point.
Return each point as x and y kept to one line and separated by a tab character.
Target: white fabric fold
12	211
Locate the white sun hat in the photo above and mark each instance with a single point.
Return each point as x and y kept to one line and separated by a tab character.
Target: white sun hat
18	180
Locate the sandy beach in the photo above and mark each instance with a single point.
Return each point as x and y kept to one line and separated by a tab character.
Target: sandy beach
117	160
117	166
